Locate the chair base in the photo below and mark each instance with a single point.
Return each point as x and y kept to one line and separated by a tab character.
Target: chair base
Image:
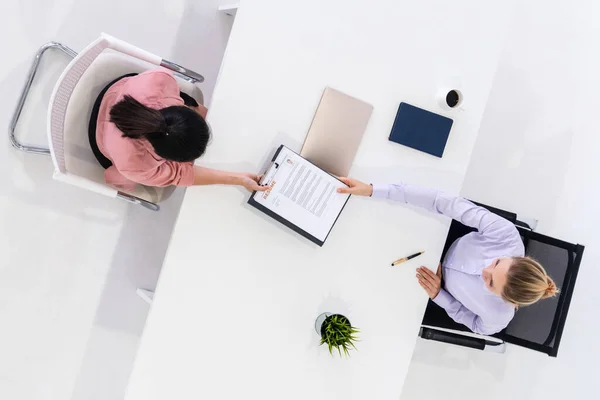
32	72
136	200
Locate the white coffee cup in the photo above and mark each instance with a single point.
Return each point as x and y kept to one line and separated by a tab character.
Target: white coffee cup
450	99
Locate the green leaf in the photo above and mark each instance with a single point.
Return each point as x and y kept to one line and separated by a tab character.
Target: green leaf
338	333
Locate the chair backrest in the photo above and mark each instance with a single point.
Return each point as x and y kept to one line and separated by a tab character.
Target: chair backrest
71	105
540	325
57	116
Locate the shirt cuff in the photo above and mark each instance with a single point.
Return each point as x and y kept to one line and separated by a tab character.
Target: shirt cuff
443	299
380	191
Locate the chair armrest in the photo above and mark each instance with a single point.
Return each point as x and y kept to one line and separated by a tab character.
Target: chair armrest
131	50
187	74
141	54
452	338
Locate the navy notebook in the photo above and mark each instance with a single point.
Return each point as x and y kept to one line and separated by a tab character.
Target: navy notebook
420	129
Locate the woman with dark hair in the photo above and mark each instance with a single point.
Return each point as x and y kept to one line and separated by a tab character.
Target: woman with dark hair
145	131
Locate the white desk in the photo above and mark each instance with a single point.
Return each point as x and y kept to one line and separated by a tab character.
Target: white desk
234	311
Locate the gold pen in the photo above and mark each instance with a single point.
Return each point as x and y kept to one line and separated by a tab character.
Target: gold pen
400	261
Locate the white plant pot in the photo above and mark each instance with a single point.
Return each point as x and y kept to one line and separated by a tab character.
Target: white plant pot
319	322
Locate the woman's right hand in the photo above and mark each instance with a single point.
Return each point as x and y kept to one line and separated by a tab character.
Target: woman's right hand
250	182
356	187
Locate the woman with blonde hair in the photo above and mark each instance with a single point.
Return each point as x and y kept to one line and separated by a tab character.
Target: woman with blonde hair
486	275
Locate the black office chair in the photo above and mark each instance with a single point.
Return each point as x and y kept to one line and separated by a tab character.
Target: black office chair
538	326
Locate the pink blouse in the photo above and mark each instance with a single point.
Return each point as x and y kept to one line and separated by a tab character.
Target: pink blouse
134	160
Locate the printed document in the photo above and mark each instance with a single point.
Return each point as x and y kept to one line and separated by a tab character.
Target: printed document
302	194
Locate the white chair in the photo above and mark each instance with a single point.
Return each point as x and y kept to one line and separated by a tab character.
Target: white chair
71	103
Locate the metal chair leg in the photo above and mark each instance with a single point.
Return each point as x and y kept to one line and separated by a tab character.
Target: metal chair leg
136	200
146	295
17	113
187	74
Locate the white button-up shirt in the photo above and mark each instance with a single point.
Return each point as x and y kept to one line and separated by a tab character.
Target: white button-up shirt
465	297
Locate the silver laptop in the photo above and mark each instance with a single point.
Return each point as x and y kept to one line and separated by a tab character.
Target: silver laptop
336	131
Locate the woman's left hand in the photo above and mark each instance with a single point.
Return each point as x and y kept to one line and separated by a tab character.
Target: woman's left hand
432	283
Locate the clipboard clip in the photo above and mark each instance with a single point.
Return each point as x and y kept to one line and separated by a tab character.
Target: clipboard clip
270	174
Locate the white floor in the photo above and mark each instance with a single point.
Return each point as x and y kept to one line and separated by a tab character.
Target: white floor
70	261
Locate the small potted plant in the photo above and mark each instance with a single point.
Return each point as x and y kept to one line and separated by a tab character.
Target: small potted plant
337	332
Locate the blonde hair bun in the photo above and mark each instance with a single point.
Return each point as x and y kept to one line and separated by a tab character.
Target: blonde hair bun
551	290
527	282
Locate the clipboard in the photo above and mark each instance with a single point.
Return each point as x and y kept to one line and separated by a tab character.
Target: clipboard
304	209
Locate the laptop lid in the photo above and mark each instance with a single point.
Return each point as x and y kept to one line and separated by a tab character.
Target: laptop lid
336	131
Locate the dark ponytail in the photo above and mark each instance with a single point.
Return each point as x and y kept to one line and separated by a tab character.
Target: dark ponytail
136	120
177	133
